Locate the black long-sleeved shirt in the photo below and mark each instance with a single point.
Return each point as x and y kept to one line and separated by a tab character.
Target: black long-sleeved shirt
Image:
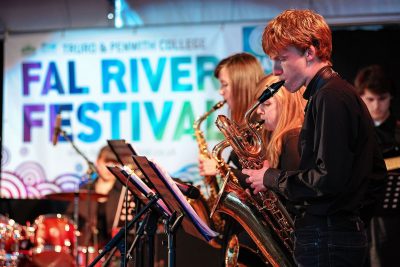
341	167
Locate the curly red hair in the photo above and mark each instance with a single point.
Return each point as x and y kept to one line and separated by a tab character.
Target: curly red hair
298	28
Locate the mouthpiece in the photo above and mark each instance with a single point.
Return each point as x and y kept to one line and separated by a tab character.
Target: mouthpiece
270	91
218	104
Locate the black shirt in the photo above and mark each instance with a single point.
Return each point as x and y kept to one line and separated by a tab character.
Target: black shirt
289	158
341	167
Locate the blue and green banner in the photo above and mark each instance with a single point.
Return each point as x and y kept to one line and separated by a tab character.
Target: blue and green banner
144	85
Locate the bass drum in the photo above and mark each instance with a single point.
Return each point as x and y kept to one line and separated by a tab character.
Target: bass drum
54	241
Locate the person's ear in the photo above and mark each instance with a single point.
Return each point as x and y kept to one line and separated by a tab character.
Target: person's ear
310	53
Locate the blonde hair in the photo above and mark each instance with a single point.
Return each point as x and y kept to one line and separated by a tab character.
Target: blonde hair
290	116
244	71
301	29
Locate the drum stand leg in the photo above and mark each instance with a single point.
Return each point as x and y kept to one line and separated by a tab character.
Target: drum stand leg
76	221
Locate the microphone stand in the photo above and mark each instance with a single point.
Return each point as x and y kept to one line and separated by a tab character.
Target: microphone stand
92	220
92	167
92	170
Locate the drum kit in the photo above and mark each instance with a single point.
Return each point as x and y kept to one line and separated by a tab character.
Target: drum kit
52	239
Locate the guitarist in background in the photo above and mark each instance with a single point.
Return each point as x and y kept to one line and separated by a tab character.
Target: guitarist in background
376	90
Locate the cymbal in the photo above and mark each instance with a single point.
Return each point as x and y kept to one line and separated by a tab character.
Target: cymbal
83	194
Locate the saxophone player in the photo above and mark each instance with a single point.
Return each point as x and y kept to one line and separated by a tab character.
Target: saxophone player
238	75
283	116
340	163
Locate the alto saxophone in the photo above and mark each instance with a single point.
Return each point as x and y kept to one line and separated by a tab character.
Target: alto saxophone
210	182
273	233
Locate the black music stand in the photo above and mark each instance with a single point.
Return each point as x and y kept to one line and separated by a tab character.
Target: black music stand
124	152
172	219
150	201
183	213
150	222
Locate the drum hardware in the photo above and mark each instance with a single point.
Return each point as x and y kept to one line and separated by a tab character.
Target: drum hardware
16	242
9	241
87	254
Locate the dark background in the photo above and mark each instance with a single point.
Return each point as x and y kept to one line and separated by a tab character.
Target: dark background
357	47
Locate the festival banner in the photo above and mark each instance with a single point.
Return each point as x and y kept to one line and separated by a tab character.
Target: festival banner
145	85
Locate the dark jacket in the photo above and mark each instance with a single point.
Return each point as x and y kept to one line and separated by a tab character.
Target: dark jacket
341	168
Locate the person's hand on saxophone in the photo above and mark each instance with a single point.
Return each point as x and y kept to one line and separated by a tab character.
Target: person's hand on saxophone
207	166
256	178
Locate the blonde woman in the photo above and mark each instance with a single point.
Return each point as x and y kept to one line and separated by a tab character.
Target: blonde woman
283	116
238	75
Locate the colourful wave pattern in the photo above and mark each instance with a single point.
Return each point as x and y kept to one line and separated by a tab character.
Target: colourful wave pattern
29	180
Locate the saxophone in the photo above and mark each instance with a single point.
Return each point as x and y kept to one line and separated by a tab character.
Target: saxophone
210	182
273	232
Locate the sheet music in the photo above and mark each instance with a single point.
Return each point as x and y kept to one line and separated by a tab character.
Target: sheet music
203	227
145	189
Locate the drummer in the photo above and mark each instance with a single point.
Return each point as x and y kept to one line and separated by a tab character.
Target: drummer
96	217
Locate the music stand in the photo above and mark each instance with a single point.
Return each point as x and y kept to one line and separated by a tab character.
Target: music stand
123	152
176	201
151	202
